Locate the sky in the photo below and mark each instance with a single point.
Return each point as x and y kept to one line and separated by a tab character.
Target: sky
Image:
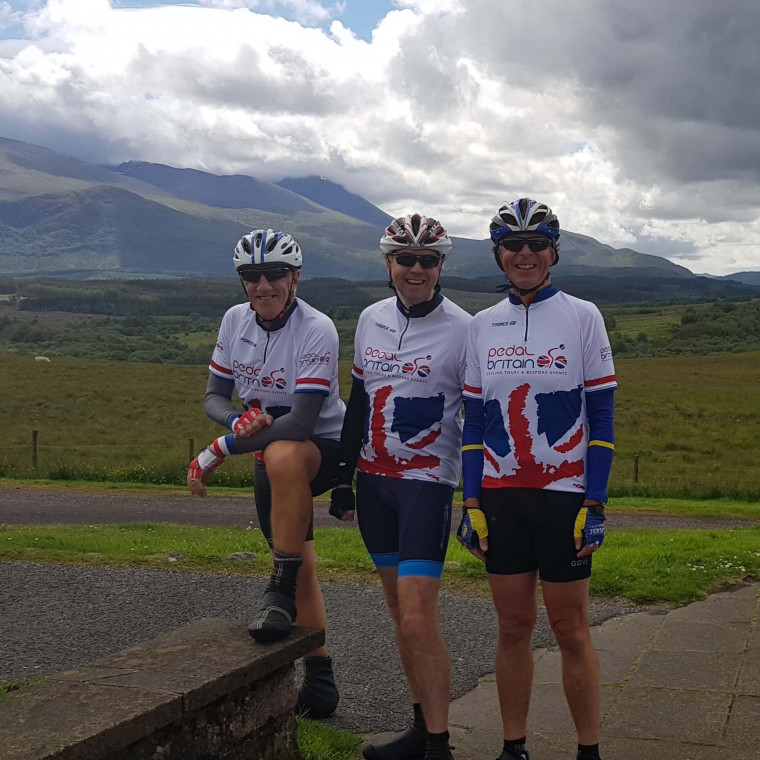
638	123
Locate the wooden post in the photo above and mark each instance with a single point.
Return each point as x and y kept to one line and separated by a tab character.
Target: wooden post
35	459
191	450
635	468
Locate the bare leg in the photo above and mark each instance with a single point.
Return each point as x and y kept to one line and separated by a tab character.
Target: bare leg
515	600
567	607
309	601
418	604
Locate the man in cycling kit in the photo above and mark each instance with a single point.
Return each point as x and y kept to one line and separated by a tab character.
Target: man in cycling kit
537	452
280	356
403	425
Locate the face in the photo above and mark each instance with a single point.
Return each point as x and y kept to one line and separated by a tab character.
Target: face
415	284
269	297
525	268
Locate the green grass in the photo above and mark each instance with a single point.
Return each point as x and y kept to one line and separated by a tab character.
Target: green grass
661	566
317	741
693	423
8	686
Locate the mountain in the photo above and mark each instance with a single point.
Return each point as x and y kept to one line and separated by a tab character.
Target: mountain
336	197
60	216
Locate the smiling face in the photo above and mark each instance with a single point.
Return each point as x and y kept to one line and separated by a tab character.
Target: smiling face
269	298
527	269
415	284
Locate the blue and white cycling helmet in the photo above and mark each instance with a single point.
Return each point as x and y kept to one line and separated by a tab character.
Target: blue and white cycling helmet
265	247
525	215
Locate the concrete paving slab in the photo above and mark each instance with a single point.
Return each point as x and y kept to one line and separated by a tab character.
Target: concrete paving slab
478	709
749	677
655	749
743	728
705	671
725	610
668	714
688	635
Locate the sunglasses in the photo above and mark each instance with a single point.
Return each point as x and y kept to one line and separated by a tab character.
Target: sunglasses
408	260
517	244
255	275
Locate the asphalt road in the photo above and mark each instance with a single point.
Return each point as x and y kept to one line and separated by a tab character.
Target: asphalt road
58	617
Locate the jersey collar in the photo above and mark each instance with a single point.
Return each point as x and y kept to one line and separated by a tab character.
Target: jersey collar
279	321
420	309
542	295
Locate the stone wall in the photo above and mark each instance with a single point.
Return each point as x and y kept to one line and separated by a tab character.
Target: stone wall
203	692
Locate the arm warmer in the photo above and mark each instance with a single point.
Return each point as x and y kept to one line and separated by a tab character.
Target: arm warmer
217	402
353	432
472	447
600	411
297	425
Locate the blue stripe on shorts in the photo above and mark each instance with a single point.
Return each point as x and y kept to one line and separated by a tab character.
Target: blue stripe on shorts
389	559
424	567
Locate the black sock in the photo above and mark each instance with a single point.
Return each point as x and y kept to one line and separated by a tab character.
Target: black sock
437	746
419	718
284	573
515	746
588	751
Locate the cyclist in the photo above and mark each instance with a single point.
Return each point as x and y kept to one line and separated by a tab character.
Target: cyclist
280	356
537	452
403	425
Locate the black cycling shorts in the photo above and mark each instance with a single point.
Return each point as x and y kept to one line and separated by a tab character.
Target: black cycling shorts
405	523
325	479
531	529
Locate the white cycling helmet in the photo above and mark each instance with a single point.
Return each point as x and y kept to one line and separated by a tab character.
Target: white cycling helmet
262	247
415	231
524	215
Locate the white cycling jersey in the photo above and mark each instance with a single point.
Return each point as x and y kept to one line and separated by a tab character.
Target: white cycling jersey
413	373
532	367
269	368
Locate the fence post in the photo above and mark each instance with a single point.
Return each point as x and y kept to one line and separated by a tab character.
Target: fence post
191	450
35	460
635	468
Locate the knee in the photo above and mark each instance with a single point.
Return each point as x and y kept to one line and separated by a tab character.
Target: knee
572	633
516	626
285	460
418	627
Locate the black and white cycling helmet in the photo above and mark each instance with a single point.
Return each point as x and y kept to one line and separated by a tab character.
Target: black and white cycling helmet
415	231
263	247
524	215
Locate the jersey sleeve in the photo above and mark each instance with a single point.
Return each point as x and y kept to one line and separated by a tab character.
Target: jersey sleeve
357	369
473	385
318	359
221	359
598	368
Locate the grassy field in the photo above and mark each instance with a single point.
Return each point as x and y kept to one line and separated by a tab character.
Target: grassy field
693	423
661	566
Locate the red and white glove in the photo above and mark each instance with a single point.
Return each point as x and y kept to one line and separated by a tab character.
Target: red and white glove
245	419
204	464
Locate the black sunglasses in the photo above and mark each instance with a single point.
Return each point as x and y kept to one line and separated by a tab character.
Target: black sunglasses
517	244
255	275
427	261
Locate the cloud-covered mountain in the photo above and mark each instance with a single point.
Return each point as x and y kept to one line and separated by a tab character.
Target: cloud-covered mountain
62	216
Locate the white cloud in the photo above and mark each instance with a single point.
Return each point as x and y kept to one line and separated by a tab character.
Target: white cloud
639	124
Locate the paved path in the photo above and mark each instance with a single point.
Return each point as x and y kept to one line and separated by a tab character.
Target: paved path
678	686
681	685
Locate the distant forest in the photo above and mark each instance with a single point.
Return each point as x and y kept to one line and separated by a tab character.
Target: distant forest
175	320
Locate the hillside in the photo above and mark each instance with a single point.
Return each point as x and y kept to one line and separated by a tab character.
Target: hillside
60	216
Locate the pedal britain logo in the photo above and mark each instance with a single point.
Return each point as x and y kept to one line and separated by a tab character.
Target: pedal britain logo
518	359
388	363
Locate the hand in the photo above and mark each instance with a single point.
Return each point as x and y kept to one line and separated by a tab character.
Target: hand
589	527
202	466
251	422
343	503
473	532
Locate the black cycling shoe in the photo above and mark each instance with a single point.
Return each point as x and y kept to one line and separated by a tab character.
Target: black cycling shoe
409	745
507	755
318	696
274	618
